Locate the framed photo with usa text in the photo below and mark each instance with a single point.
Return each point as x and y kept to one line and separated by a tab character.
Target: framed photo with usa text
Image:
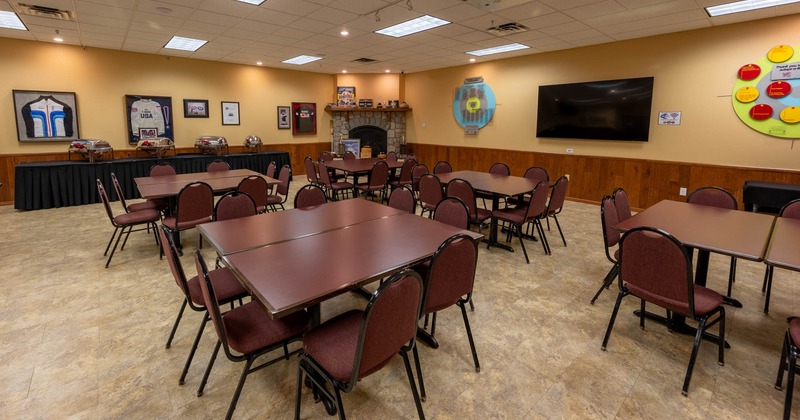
149	116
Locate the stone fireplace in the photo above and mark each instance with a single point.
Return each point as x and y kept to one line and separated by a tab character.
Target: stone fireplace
384	129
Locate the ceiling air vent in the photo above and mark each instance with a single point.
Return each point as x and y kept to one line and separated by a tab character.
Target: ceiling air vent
364	60
45	12
507	29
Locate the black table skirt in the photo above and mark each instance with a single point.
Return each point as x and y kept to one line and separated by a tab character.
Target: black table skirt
43	185
768	196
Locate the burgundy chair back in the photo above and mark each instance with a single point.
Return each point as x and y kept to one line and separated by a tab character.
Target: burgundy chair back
462	189
101	191
452	211
405	171
622	204
558	196
500	168
379	175
217	166
171	253
283	180
609	218
538	173
430	189
162	169
257	188
790	210
403	199
537	207
233	205
391	157
416	172
309	195
324	176
452	273
195	204
325	157
348	155
210	298
713	197
118	190
271	169
442	167
311	171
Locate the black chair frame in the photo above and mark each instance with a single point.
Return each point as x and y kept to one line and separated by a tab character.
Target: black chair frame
614	271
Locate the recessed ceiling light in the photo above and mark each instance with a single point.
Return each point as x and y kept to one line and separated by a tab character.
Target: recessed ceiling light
344	33
497	50
471	60
185	44
259	63
422	23
253	2
344	71
744	6
10	20
388	71
301	59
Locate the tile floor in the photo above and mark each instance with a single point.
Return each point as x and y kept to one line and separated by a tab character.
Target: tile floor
82	341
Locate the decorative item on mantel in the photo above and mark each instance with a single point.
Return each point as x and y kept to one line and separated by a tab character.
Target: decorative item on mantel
252	143
156	147
90	149
211	144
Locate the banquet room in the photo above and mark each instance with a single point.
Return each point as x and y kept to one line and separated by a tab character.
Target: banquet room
589	161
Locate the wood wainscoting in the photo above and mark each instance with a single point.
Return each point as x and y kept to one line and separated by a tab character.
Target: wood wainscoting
591	177
297	152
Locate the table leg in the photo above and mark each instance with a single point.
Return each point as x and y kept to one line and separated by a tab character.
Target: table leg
314	313
427	338
492	241
701	276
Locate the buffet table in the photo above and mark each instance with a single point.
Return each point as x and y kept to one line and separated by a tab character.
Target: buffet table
43	185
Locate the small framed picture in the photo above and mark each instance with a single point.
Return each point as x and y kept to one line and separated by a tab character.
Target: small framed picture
147	133
284	117
230	113
195	108
352	145
45	115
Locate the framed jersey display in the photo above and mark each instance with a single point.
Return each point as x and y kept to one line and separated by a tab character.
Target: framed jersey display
304	118
46	116
148	117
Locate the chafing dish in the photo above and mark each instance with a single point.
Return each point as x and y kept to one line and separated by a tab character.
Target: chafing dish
90	149
211	144
156	147
252	142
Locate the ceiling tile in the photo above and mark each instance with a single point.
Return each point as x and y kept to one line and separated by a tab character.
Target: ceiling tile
227	7
459	13
358	7
546	21
526	11
272	16
312	25
157	7
293	7
595	9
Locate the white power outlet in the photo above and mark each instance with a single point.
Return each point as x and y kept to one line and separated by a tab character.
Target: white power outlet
567	175
682	192
569	151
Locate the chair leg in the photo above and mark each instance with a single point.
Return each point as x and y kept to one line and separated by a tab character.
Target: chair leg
208	369
299	393
518	228
116	243
175	326
194	349
114	235
782	366
413	385
612	274
339	403
423	397
641	313
764	283
701	327
721	359
127	235
613	318
787	406
469	335
558	225
542	236
433	324
770	270
239	387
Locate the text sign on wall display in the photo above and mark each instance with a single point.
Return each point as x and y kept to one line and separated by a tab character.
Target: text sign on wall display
786	71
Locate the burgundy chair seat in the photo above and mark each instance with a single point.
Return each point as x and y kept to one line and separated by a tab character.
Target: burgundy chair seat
705	300
334	344
274	199
482	214
247	331
138	217
226	285
428	206
342	185
144	205
170	222
794	329
366	187
514	215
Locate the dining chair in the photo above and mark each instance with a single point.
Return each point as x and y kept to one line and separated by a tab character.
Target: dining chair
162	169
416	173
311	170
622	203
656	268
430	193
533	212
405	174
792	211
272	172
228	287
402	198
450	282
348	155
218	165
194	206
346	349
256	187
281	191
391	157
452	211
334	188
159	205
788	362
327	157
246	332
308	196
556	204
498	168
376	182
233	205
442	167
537	173
717	197
608	219
125	223
462	189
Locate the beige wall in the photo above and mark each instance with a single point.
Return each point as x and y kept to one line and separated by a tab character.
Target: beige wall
101	78
378	87
694	73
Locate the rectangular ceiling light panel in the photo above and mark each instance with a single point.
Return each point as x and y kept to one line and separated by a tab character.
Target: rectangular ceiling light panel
745	6
10	20
422	23
185	44
498	50
301	59
253	2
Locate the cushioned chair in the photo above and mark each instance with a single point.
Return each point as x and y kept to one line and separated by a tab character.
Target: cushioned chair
256	187
403	199
622	203
536	173
416	173
498	168
228	288
333	188
158	204
792	211
351	346
348	155
195	206
656	268
789	363
452	211
391	157
449	282
327	157
217	166
233	205
311	170
442	167
533	212
405	174
376	182
556	204
124	224
430	193
462	189
281	191
308	196
609	218
162	169
246	332
716	197
272	172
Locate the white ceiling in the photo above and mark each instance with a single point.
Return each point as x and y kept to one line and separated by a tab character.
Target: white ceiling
280	29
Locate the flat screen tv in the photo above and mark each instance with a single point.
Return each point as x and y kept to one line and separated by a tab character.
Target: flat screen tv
603	110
